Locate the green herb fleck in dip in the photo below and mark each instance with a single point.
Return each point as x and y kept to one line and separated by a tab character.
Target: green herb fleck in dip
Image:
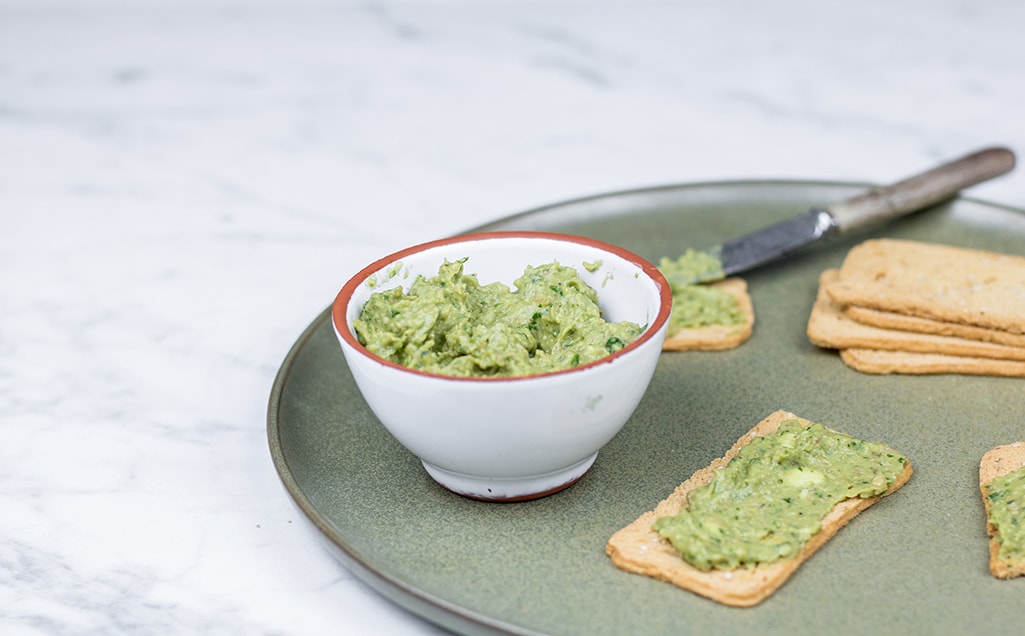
1006	496
452	325
770	499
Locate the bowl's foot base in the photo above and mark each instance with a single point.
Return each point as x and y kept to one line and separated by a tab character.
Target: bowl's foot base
510	489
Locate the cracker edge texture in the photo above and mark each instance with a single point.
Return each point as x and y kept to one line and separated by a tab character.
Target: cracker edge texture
879	362
997	462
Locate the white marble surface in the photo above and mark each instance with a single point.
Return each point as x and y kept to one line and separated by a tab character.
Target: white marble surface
184	186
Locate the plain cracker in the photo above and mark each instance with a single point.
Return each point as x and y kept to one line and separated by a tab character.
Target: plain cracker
639	549
901	322
941	282
906	363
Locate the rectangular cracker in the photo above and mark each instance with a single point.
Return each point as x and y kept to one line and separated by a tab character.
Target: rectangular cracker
995	463
902	362
901	322
941	282
718	337
639	549
830	327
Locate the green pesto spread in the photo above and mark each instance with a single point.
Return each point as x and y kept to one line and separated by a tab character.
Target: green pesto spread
696	305
1006	495
702	306
692	267
769	500
452	325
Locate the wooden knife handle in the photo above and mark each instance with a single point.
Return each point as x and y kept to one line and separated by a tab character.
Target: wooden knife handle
922	190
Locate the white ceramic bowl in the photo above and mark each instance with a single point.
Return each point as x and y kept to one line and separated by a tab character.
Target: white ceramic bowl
511	438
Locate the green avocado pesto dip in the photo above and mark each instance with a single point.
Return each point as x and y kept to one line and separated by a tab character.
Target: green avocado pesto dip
1006	496
450	324
769	500
697	305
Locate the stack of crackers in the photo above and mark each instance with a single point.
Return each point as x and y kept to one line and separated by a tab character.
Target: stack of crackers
897	306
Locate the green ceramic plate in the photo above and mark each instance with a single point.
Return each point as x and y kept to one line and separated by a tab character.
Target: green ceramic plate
914	563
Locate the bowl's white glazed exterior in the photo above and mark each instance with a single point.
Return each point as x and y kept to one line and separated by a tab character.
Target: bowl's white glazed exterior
511	438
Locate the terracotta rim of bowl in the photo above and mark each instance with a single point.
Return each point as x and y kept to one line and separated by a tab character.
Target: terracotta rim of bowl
340	305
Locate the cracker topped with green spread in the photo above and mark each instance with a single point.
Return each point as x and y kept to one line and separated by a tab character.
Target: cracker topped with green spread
736	530
1002	482
938	282
706	316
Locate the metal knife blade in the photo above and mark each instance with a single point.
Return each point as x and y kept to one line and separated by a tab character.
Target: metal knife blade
873	206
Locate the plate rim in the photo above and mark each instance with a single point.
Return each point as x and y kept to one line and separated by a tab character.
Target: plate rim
406	597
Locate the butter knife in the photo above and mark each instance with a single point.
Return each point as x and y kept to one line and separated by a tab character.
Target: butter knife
873	206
